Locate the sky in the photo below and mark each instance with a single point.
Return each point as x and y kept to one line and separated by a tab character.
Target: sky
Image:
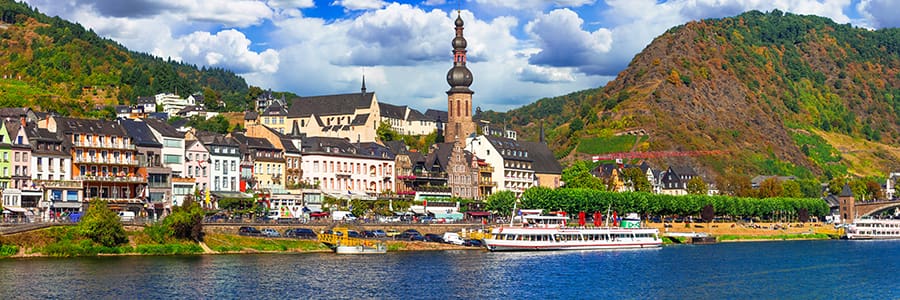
518	50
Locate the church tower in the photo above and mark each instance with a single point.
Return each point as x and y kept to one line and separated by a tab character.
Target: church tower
459	97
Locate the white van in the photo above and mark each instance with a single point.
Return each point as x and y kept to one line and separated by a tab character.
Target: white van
126	216
453	238
342	215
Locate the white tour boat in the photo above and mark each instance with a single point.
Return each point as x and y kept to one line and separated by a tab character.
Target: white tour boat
867	229
551	233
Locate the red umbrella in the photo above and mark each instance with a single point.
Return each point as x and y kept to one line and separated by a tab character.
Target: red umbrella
597	218
581	218
615	219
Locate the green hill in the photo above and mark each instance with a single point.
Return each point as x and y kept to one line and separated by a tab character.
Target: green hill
52	64
779	93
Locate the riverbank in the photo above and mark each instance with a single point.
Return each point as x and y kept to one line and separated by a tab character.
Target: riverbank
755	232
59	242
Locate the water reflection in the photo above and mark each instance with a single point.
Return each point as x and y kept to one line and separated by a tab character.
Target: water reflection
739	270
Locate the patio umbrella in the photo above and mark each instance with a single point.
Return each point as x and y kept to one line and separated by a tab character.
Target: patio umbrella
581	218
597	218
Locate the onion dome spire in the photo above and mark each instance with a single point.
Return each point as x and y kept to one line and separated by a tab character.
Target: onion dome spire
459	77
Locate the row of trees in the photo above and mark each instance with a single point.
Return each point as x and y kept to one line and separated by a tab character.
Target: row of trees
590	200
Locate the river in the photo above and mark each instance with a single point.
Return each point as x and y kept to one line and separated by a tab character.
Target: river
793	269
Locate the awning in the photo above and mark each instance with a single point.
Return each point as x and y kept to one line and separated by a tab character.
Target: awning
66	204
229	194
478	213
450	216
15	209
318	214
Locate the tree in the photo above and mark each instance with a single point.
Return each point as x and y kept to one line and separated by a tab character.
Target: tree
501	202
578	175
696	186
835	185
186	221
708	213
733	184
102	225
810	188
636	179
791	189
386	133
769	188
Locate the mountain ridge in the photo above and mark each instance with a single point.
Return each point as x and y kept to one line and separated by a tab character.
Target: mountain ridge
762	87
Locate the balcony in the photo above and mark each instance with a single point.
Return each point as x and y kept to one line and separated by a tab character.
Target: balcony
125	179
487	183
104	160
486	169
519	179
58	183
183	180
106	145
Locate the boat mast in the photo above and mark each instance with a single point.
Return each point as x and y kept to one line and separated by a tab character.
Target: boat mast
513	215
607	214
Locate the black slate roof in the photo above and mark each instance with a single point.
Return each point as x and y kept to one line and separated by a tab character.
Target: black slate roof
359	120
343	104
140	133
436	115
212	138
392	111
509	148
88	126
251	115
544	161
164	128
275	110
415	115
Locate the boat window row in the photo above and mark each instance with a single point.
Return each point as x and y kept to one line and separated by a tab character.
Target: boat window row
571	237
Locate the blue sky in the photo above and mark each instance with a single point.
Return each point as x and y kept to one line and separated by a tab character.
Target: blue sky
519	50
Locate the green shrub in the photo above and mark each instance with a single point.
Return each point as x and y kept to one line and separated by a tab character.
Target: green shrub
102	225
159	233
8	250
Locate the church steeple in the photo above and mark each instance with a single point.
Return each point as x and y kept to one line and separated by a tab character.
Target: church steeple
459	77
459	97
364	84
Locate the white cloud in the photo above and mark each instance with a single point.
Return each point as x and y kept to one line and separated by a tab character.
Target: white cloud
534	4
227	49
434	2
359	4
287	4
879	13
563	41
539	74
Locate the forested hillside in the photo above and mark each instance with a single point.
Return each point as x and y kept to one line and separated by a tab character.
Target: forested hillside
51	64
777	93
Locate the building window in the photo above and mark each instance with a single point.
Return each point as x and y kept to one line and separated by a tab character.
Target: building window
217	165
172	159
233	165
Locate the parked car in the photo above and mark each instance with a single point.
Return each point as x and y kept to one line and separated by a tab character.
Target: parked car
392	233
453	238
473	243
302	233
410	235
353	233
433	237
249	230
379	233
269	232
